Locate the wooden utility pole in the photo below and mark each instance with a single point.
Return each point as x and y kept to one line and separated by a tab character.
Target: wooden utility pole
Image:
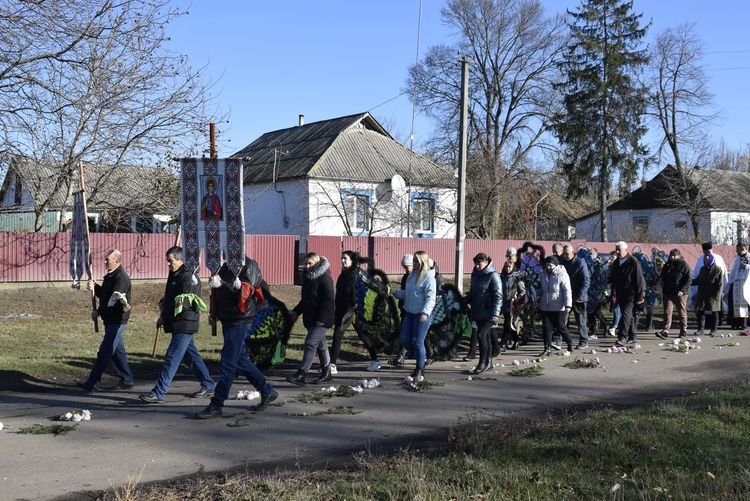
461	202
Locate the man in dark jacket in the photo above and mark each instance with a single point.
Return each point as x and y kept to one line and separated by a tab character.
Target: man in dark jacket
180	316
580	280
675	279
629	287
114	309
235	308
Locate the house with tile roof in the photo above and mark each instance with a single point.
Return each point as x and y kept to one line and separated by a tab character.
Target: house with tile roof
38	196
664	209
344	176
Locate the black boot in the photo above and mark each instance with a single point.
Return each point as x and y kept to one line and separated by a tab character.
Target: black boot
545	353
701	324
325	367
481	367
650	321
418	374
472	354
298	377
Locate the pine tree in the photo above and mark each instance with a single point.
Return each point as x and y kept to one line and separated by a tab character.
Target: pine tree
601	124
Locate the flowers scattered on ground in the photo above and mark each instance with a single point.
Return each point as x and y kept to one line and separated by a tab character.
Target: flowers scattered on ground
419	385
531	371
77	415
368	383
730	344
584	363
1	426
247	395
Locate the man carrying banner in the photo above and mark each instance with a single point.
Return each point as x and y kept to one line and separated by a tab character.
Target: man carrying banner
235	309
180	315
114	309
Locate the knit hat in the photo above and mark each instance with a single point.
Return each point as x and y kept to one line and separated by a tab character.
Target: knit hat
512	251
707	246
551	259
407	260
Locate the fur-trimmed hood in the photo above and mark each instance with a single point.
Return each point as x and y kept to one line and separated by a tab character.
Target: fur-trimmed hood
317	270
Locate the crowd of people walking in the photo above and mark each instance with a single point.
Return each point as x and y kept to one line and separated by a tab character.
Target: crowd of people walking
560	290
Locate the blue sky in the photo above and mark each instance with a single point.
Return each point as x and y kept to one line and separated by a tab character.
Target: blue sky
274	60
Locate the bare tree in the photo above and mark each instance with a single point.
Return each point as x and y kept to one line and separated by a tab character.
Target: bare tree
513	49
680	103
679	98
112	95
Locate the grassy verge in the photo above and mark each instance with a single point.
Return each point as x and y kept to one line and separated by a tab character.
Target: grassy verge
46	335
686	448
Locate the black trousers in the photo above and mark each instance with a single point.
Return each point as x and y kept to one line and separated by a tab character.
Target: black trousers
483	336
713	320
626	328
553	322
338	335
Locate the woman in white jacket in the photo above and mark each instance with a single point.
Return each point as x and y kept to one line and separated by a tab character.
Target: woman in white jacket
419	300
555	301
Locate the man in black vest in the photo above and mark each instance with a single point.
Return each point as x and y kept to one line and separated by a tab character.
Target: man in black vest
180	315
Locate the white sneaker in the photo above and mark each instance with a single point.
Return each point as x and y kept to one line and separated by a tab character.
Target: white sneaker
334	371
374	366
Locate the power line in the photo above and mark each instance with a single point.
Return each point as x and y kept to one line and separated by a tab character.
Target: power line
388	101
729	69
740	51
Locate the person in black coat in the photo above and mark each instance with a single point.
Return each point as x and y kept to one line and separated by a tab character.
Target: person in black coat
180	316
629	289
114	309
675	280
317	307
580	281
345	301
486	301
238	298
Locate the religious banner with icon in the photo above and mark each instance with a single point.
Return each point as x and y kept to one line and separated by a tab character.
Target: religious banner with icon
212	212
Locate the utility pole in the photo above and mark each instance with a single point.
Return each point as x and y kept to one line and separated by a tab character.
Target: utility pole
461	202
212	137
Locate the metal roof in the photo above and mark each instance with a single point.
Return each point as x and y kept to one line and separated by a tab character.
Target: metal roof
125	186
353	148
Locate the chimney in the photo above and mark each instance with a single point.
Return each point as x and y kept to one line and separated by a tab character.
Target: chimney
301	120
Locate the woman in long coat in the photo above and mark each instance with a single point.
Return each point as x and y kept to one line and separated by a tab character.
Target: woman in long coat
710	282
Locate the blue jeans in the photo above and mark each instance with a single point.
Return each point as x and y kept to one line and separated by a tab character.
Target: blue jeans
181	346
112	349
234	359
413	333
616	319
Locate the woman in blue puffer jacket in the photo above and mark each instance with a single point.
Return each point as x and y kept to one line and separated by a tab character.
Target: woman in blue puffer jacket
419	300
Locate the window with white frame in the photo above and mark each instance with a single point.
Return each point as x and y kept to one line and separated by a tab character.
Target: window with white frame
423	211
357	206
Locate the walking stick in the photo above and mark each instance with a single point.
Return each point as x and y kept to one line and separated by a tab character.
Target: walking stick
156	340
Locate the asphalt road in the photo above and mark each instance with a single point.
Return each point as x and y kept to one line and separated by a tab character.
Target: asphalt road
128	441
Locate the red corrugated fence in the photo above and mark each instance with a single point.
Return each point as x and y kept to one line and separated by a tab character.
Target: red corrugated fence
43	257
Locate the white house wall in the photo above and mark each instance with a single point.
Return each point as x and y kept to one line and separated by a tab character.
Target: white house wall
662	226
265	208
724	227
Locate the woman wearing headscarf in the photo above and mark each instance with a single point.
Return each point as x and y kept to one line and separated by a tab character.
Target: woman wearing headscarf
555	302
710	282
317	309
485	300
419	300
